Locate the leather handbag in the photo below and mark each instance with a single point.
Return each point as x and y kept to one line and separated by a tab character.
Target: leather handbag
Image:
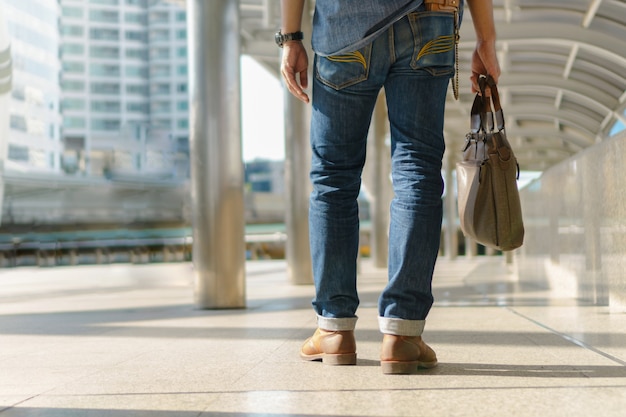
488	197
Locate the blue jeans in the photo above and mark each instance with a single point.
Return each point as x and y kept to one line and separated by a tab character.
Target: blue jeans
413	61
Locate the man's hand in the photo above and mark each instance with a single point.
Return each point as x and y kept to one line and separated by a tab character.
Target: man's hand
484	59
484	62
294	67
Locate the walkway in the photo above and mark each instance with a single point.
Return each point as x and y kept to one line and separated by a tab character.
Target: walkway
125	340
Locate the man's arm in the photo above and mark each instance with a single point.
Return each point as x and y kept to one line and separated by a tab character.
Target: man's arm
295	62
484	59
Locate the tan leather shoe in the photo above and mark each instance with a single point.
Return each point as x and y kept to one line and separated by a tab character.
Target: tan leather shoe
332	347
405	354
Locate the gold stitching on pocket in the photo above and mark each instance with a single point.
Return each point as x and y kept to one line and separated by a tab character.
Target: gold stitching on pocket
351	57
439	45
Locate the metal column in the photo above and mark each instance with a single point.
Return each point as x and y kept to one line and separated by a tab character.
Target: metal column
297	184
297	167
217	177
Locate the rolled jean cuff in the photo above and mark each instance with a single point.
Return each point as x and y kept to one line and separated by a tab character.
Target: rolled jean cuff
336	324
401	327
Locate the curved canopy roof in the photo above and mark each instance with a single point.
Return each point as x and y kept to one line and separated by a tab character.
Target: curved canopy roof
563	83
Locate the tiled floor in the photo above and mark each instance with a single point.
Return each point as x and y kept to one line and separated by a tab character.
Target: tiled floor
126	340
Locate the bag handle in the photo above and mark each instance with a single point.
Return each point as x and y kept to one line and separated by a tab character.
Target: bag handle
488	125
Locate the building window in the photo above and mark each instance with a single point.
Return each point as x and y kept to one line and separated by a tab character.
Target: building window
105	106
74	122
72	85
105	124
104	52
72	12
72	104
72	49
159	35
70	30
138	89
138	108
160	89
182	144
161	123
139	18
181	34
181	88
136	35
183	124
18	123
159	53
18	153
104	16
182	105
18	93
104	70
160	71
159	17
181	16
182	70
107	2
181	52
135	71
73	67
160	107
141	54
105	88
104	34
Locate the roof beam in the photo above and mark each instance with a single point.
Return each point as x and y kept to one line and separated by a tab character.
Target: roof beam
591	12
570	61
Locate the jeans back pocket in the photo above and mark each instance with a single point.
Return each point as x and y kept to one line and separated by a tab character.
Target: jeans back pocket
434	42
341	71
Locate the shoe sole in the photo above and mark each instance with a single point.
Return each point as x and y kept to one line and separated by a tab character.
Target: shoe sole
392	367
332	359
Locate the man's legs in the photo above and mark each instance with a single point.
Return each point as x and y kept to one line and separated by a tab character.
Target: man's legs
416	94
345	90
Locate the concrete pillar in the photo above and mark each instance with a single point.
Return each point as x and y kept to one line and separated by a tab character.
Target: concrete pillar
451	243
471	248
297	185
378	183
100	256
509	257
73	257
593	284
217	175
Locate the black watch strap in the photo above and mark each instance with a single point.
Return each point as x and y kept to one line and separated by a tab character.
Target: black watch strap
281	38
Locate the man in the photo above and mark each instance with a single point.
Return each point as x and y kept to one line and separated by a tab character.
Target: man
362	46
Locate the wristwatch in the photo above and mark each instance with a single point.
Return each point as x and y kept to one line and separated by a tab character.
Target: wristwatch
281	38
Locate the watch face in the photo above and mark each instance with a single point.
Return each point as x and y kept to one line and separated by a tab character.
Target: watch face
278	38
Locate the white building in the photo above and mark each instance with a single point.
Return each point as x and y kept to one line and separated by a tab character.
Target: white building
6	80
124	84
33	142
